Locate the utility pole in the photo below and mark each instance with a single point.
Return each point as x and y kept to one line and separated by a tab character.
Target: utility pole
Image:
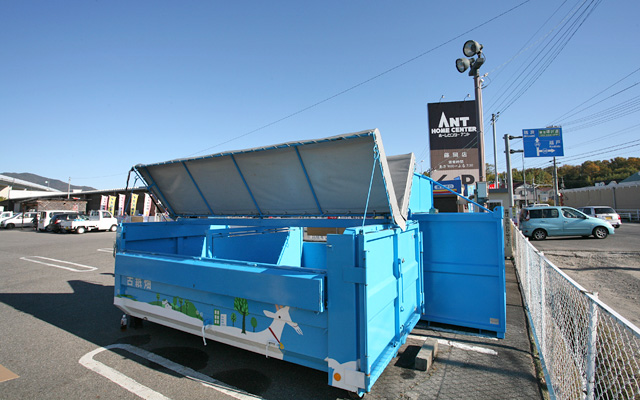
508	152
524	179
472	48
555	183
494	118
478	88
69	189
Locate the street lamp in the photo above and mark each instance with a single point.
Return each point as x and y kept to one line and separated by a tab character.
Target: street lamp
470	49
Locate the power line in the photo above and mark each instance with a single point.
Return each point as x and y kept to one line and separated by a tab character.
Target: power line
555	47
605	137
529	40
363	82
633	143
618	147
594	96
620	110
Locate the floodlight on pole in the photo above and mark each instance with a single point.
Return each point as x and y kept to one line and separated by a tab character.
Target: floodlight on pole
462	64
472	48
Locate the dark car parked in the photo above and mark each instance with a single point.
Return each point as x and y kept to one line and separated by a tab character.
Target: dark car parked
54	225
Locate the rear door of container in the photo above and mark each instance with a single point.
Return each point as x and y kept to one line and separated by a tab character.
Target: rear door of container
393	297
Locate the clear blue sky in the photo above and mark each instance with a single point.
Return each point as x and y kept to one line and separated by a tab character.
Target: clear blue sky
91	88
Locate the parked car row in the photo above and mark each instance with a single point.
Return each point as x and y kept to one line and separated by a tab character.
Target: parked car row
19	220
539	222
45	218
62	221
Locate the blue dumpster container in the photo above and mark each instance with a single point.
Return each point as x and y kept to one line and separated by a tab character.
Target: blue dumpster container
235	265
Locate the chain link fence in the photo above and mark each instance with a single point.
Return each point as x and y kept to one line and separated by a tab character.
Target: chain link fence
588	351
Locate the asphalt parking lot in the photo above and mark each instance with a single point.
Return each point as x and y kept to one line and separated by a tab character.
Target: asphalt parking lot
61	338
56	302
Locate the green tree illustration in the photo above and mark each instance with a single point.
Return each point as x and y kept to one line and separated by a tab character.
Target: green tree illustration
180	301
158	297
242	306
233	319
254	323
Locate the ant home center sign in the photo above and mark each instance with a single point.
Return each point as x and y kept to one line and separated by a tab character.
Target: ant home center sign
453	140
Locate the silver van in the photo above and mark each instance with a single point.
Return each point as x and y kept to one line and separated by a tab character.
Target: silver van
603	212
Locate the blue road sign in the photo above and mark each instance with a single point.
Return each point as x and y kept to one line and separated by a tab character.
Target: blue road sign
546	142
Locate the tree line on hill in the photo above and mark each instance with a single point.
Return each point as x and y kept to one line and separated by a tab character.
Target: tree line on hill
576	176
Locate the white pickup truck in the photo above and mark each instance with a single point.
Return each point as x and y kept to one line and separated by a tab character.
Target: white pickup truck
96	220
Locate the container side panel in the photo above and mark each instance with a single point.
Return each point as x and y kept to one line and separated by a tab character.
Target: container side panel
381	293
264	248
411	289
314	255
464	277
291	254
421	200
163	238
343	358
259	283
393	294
275	330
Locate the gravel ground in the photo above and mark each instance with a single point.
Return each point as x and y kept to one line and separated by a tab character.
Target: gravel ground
614	275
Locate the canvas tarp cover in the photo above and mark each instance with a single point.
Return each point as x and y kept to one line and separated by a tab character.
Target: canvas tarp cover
325	177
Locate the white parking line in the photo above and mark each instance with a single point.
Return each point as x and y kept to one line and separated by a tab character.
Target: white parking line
467	347
107	250
149	394
56	263
460	346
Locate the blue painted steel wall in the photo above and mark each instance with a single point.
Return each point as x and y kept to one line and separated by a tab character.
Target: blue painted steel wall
350	302
164	237
375	296
260	245
421	200
464	274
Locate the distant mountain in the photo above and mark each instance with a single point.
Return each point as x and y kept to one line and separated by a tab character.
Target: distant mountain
41	180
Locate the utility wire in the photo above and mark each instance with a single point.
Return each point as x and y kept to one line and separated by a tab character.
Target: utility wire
555	47
567	114
365	81
599	102
618	147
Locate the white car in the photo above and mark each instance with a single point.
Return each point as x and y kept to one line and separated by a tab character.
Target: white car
20	219
96	221
603	212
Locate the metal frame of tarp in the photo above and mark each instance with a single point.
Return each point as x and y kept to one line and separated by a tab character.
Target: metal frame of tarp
340	176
